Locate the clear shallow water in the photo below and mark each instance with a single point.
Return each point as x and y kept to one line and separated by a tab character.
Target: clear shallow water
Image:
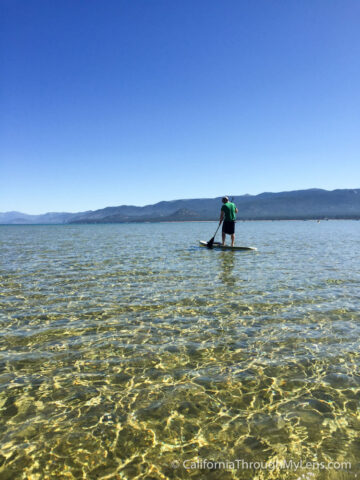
125	348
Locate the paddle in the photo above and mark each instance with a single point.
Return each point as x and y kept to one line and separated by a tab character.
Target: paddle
210	243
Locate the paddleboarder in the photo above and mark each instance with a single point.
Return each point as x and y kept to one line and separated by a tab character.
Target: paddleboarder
228	215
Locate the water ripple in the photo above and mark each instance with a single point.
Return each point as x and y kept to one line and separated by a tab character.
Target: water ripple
125	348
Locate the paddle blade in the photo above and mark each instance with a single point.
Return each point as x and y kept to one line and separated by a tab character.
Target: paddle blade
210	243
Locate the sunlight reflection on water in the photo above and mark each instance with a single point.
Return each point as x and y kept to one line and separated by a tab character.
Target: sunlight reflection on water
126	347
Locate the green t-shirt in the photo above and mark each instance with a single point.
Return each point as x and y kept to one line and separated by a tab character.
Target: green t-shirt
229	211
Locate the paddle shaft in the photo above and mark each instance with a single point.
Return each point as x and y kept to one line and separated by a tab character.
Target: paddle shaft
217	230
210	242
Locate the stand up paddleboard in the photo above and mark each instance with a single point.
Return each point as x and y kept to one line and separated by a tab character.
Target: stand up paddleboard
225	247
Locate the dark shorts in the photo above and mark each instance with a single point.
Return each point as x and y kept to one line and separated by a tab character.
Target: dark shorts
228	227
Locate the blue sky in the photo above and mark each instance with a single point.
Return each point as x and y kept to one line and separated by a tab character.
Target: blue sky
132	102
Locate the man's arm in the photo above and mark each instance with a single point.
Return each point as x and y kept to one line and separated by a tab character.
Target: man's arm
221	217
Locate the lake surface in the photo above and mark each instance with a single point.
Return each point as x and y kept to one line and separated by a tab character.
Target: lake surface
127	350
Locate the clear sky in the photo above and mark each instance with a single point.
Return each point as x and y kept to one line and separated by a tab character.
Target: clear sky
110	102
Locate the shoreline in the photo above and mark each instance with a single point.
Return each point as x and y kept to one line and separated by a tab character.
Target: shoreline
318	220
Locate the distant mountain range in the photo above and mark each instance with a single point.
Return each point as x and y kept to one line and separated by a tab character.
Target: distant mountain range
300	204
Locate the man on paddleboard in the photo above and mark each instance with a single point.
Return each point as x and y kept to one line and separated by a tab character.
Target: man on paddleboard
228	214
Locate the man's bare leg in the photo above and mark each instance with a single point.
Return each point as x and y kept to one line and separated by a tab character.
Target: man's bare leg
232	239
223	238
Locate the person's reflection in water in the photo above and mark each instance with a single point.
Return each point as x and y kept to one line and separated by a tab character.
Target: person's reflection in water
227	260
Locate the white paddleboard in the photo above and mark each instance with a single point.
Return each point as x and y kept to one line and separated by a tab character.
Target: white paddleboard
225	247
